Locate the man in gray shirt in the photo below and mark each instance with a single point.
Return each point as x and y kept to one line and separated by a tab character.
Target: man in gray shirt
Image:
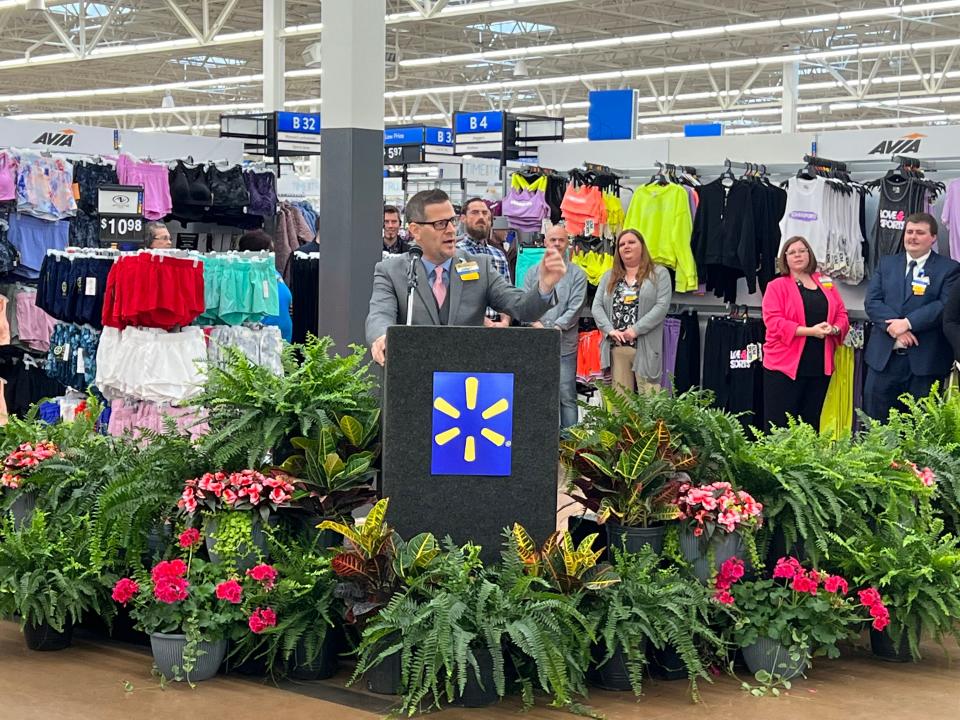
565	316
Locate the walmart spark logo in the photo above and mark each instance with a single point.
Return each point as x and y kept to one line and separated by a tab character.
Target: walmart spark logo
472	423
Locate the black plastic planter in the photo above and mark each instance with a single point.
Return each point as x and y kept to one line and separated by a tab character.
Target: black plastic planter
323	666
385	678
635	539
668	665
473	695
882	645
44	638
613	674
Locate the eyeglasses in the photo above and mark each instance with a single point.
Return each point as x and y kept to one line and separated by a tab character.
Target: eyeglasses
439	225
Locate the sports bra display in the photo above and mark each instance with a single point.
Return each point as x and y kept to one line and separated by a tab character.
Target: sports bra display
188	187
227	187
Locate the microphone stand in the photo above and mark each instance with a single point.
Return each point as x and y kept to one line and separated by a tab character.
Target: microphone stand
415	254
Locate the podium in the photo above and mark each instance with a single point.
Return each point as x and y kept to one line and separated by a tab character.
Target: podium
470	432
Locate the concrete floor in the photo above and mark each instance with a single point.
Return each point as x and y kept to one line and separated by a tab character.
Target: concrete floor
86	682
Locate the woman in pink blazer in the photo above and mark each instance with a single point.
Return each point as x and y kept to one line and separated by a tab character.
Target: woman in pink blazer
806	321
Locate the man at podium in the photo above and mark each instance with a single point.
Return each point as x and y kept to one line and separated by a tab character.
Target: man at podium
450	287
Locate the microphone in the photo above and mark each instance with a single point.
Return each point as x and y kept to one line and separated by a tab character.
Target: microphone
416	253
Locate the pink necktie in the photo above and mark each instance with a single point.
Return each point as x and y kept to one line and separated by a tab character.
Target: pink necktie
439	289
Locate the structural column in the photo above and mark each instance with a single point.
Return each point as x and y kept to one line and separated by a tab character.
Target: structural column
351	170
791	96
274	54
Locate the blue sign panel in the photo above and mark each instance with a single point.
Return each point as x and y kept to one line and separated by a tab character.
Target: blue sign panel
439	136
403	136
306	123
612	115
472	430
703	130
481	122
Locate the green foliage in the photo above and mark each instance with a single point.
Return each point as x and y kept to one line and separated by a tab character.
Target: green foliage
337	466
802	623
252	410
233	532
50	570
303	600
655	605
567	567
629	477
928	433
812	485
714	436
916	569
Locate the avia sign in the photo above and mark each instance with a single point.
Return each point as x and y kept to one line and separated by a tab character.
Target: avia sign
62	138
909	143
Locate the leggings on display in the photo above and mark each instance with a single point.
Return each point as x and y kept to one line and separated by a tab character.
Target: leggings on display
686	372
671	337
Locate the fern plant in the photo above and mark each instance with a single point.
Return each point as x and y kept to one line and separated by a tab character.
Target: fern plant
657	606
50	572
303	600
917	570
253	411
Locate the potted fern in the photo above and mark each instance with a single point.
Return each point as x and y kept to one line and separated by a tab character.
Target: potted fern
50	574
301	644
253	412
917	572
630	479
651	608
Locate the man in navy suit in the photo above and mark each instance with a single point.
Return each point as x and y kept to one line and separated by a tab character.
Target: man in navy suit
908	351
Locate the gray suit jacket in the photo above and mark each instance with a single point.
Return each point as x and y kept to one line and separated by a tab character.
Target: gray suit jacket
571	293
468	299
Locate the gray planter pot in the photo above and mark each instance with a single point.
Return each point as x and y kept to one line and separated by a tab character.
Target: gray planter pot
634	539
770	655
696	551
168	652
244	562
22	508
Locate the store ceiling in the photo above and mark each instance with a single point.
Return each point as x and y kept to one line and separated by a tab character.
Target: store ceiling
874	64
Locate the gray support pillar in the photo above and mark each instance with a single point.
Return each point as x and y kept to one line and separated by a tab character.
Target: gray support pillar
274	54
351	169
791	96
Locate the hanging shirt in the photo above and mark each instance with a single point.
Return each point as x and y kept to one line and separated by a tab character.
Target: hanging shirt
804	215
951	216
892	212
661	214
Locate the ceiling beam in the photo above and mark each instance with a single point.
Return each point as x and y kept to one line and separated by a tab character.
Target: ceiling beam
187	23
61	33
221	20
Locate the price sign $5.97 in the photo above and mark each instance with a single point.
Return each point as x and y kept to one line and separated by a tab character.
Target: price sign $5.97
112	228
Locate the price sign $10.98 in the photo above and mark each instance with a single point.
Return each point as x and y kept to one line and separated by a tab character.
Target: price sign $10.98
113	228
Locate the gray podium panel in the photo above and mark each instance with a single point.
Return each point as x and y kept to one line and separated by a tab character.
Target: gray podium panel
470	432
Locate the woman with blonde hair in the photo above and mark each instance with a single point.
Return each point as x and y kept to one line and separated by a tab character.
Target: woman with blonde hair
629	308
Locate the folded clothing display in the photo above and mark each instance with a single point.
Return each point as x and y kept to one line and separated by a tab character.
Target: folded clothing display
72	288
72	358
132	416
44	186
239	289
148	364
34	326
26	381
154	290
33	237
261	345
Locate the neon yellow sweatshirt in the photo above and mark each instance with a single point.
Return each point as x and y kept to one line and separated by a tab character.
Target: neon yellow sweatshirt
661	214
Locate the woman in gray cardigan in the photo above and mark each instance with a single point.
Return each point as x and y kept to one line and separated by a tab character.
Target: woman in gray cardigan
629	308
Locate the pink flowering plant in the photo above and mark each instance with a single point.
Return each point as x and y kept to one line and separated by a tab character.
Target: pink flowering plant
241	491
807	611
203	600
21	464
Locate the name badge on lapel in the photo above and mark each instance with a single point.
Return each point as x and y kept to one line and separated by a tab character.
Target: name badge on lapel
468	270
920	284
629	298
826	282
